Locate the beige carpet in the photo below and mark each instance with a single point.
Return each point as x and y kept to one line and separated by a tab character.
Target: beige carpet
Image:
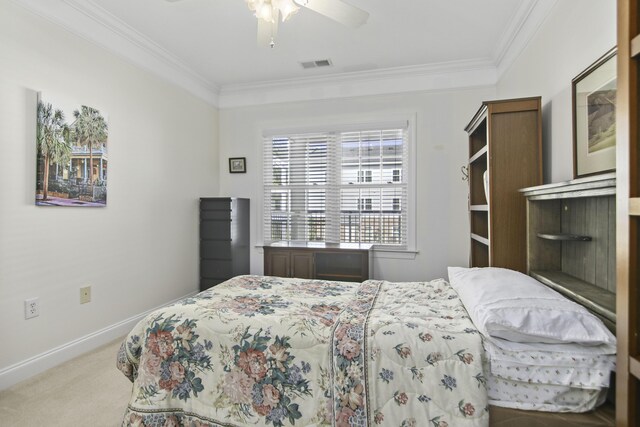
86	391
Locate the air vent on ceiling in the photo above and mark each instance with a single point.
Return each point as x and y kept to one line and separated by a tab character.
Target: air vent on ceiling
316	64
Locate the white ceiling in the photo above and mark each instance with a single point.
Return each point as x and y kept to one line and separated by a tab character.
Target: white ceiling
217	38
209	46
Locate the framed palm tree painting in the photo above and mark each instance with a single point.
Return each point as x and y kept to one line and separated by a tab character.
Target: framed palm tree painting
72	160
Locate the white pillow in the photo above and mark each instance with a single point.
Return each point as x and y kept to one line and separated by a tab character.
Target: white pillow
513	306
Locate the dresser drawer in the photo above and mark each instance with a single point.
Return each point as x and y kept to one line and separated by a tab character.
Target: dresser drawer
215	204
218	249
209	283
221	214
215	269
219	230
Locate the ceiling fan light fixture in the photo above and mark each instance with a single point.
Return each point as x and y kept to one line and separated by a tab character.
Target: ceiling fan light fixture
265	12
253	4
268	13
286	8
271	10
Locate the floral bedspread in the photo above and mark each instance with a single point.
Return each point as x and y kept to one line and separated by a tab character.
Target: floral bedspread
269	351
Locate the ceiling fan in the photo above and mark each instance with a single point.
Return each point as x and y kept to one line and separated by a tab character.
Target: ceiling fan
269	12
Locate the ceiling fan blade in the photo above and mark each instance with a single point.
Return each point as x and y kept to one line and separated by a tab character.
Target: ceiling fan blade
267	33
337	10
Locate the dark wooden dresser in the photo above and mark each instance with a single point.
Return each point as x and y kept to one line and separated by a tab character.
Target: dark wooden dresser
349	262
224	239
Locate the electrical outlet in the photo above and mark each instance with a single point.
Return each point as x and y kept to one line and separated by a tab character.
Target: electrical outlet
31	308
85	294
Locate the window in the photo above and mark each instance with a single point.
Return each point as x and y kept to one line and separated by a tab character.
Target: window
364	204
337	187
365	176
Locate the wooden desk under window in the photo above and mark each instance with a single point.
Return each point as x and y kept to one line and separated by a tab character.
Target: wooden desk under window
349	262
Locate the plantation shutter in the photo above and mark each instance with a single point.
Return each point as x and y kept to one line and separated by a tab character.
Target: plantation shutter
337	187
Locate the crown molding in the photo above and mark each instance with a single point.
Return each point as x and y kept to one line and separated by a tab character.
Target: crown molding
441	76
518	20
92	23
526	23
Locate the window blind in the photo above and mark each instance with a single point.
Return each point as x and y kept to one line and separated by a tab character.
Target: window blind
337	187
297	176
373	188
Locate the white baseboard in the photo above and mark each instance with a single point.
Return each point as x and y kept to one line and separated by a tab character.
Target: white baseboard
26	369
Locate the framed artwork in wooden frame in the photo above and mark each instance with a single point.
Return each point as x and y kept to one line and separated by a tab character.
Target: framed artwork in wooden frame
594	117
237	165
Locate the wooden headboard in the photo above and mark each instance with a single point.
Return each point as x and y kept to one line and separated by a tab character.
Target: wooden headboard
571	247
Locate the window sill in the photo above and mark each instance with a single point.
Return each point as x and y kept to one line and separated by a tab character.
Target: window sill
382	253
394	253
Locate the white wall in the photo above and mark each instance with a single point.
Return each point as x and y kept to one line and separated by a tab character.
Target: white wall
574	35
442	148
140	251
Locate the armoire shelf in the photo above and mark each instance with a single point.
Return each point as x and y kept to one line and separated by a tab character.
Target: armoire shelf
635	46
479	208
565	237
634	366
480	239
634	206
504	143
601	301
478	155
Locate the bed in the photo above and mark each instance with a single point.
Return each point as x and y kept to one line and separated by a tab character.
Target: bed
270	351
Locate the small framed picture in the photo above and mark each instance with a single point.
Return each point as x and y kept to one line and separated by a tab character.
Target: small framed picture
237	165
594	117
